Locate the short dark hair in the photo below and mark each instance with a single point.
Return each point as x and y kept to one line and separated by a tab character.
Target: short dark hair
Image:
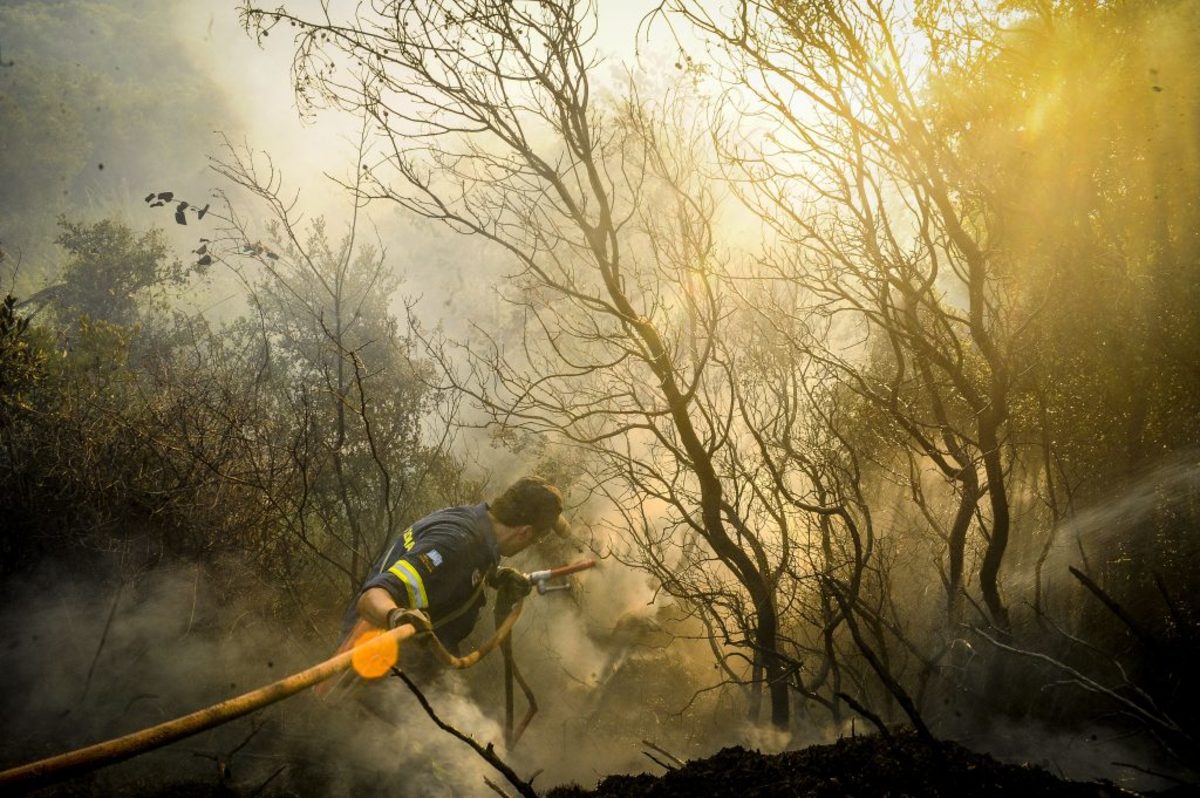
534	501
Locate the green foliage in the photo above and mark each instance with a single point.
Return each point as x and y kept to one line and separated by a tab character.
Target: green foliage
70	462
294	438
342	395
1083	134
21	362
108	266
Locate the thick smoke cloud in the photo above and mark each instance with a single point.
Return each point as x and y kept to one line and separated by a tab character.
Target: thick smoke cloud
139	88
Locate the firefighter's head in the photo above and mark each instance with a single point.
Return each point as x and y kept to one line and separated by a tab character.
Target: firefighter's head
530	508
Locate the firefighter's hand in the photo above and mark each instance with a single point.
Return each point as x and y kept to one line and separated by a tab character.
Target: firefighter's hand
511	580
402	615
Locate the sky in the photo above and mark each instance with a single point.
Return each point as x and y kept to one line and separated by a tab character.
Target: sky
439	267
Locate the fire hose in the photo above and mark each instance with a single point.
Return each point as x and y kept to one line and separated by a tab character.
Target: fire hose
381	647
505	602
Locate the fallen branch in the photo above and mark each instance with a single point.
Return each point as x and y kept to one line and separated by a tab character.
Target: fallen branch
1113	607
270	779
658	761
488	753
112	613
1153	718
678	762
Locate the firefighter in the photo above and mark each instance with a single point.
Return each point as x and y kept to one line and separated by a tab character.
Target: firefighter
439	565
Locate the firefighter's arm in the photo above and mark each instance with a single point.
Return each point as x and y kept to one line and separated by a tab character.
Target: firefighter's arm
375	605
379	607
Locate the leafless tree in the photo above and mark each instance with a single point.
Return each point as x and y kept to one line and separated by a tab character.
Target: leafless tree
487	121
887	235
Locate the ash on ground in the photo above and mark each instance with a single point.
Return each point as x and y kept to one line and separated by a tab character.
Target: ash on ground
859	766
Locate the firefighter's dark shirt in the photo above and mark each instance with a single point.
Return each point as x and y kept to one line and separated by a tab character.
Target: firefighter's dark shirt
436	565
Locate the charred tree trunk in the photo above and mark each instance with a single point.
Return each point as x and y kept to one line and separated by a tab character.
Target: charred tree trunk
993	556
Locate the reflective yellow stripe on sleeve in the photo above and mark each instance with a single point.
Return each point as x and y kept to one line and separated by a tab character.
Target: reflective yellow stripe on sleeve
412	582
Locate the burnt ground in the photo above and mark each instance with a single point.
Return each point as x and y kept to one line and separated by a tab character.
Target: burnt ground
870	766
860	766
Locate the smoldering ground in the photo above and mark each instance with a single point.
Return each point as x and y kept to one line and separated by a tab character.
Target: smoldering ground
89	658
97	650
93	655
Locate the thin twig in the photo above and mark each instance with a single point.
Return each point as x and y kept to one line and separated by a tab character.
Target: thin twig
256	727
1155	773
866	713
495	787
112	613
658	761
679	762
270	778
893	686
1181	626
195	593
